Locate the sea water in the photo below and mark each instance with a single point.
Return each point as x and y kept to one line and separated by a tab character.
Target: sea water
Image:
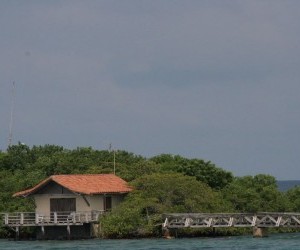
274	241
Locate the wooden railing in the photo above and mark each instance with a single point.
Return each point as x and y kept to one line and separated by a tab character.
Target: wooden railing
204	220
55	218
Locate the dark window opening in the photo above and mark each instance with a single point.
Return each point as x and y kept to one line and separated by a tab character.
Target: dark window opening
107	203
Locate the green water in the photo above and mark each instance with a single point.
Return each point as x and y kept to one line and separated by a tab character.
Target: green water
275	241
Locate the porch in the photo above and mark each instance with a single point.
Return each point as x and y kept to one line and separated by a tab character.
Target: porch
32	219
56	225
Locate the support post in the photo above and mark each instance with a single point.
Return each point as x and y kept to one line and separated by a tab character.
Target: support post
74	218
36	218
17	233
259	232
55	217
166	233
22	218
69	232
6	219
94	230
213	231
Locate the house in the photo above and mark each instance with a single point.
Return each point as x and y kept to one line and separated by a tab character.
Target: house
71	201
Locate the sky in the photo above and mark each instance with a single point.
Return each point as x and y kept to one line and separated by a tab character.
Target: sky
213	79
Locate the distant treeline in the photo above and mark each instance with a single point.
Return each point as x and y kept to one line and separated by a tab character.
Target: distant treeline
163	184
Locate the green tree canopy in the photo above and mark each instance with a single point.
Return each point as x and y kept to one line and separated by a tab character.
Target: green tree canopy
204	171
293	197
255	194
157	194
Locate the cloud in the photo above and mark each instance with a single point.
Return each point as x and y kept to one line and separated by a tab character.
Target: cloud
210	79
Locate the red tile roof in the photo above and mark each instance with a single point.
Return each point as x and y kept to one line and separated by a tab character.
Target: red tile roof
84	184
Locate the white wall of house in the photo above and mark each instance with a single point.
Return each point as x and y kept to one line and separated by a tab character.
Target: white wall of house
94	202
42	202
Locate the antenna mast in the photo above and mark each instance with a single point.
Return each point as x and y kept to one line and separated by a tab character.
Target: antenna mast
10	136
114	162
111	149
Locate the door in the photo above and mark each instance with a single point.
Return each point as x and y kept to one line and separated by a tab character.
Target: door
62	206
107	203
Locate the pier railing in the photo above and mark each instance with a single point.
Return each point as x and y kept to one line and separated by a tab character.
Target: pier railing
55	218
205	220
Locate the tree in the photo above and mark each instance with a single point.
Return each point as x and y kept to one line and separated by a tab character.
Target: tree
156	194
137	169
293	197
17	157
204	171
254	194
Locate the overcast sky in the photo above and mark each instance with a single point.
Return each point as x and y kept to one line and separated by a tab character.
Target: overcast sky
217	80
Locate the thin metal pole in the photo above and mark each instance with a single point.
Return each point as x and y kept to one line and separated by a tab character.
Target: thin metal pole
11	115
114	162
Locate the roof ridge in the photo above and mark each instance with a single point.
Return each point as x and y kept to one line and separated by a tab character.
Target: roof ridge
81	174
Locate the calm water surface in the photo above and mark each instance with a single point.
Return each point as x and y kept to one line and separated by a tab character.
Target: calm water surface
275	241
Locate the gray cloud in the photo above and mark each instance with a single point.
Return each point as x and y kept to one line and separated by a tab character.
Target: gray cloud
216	80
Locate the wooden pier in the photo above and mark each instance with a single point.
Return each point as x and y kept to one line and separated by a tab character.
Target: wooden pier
260	222
18	220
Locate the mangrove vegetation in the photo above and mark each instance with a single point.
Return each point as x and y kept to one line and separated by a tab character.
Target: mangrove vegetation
162	184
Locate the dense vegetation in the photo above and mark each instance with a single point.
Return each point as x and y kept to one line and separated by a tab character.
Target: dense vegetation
163	184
